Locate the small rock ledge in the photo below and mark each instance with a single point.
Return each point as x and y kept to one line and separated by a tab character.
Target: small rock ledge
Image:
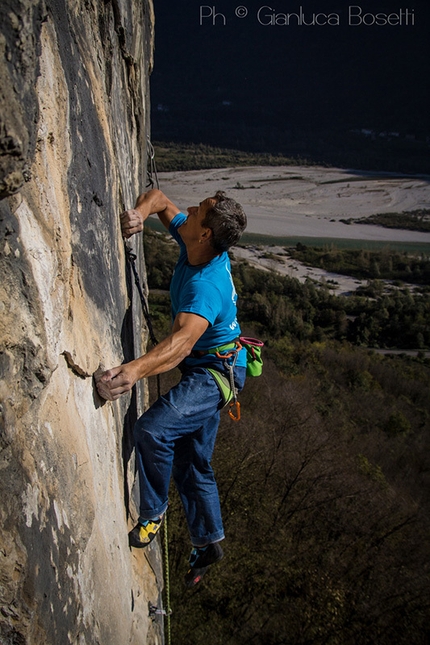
74	122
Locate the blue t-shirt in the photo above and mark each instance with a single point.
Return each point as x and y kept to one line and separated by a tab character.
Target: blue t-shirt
208	291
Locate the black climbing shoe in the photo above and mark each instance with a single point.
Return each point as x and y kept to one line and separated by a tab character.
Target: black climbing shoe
200	561
144	532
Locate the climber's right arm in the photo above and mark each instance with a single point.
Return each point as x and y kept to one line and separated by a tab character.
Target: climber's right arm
154	201
187	329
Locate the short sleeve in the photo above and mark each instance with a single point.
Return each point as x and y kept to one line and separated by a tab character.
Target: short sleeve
176	222
202	298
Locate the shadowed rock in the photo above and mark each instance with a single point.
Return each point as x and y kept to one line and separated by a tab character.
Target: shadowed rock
74	120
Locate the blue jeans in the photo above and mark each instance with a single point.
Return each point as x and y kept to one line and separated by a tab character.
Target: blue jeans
177	436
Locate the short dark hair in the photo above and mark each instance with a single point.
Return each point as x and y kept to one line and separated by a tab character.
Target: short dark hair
227	220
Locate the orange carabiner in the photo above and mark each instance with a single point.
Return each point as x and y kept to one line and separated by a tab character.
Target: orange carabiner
231	413
230	354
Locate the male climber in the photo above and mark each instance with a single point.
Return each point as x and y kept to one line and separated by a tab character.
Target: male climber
176	436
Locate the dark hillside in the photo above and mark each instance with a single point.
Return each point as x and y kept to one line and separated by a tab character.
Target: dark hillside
324	483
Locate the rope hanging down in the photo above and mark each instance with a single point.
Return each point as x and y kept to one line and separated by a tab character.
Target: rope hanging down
167	581
131	259
152	178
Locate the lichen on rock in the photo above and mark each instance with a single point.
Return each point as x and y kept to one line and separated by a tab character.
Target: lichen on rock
74	120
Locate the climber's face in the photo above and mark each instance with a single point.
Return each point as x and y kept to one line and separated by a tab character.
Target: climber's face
193	230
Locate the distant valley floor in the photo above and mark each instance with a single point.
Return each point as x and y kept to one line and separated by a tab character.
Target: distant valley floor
308	202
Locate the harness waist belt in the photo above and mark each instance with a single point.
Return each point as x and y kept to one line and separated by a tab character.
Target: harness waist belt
198	353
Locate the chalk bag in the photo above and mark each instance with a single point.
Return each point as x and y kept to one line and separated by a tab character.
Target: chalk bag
254	361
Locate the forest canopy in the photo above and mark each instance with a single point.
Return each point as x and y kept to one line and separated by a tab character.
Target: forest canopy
324	483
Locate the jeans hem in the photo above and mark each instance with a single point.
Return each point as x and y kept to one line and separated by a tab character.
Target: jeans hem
154	514
211	539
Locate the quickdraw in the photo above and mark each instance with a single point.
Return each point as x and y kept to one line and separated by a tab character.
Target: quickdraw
234	405
233	414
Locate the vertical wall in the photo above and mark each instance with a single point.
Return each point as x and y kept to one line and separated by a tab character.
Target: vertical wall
73	129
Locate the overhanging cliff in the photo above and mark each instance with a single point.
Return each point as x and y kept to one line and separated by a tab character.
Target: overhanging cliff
74	121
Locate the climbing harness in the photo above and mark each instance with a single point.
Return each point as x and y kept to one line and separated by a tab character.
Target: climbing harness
226	384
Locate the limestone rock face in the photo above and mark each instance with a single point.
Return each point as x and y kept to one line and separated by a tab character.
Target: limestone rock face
74	121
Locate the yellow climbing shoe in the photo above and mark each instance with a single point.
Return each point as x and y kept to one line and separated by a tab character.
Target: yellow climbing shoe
144	532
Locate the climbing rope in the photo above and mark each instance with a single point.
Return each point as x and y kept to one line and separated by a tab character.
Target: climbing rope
131	258
152	178
167	580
